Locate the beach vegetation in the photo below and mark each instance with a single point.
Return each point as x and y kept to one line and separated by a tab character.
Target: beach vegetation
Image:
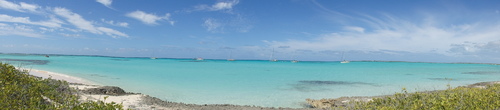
19	90
459	98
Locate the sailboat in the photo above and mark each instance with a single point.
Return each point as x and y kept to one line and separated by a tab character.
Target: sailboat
272	57
293	57
199	59
230	55
152	56
343	60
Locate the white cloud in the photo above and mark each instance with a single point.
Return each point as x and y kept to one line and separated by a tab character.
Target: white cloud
397	34
355	29
111	22
71	35
122	24
21	7
213	25
83	24
493	45
233	22
20	30
224	5
53	22
44	30
106	3
473	48
150	19
76	20
237	23
111	32
219	6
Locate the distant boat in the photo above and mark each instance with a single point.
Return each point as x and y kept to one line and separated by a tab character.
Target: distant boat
343	60
199	59
152	56
47	56
230	55
272	57
293	57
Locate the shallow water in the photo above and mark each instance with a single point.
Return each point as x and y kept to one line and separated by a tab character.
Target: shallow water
261	83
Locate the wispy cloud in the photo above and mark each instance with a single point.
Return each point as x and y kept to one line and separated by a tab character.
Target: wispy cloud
111	32
20	30
392	33
355	29
213	25
232	21
83	24
237	23
21	7
106	3
111	22
53	22
71	35
76	20
150	19
219	6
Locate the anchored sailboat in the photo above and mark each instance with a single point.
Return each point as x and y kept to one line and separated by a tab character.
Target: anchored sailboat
343	60
293	58
230	55
272	57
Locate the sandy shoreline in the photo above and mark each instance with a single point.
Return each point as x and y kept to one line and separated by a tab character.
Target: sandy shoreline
128	101
59	76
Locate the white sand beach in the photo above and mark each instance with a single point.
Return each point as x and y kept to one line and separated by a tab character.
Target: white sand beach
58	76
131	101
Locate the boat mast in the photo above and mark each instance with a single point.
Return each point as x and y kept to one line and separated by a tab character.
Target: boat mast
342	57
272	56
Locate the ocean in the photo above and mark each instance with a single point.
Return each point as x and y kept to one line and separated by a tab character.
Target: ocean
257	82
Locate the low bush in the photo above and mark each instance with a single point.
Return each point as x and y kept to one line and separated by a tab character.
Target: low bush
19	90
460	98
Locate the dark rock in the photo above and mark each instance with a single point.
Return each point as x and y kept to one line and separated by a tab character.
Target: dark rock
106	90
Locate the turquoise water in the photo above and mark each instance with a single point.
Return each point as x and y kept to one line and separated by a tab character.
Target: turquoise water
261	83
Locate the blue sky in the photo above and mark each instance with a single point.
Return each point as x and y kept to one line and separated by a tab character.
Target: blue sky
397	30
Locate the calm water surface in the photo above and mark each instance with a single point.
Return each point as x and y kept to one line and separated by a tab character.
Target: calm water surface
261	83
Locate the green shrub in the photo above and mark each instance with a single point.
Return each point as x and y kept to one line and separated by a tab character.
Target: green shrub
460	98
18	90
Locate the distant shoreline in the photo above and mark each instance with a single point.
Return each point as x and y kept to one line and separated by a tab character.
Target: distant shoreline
248	59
